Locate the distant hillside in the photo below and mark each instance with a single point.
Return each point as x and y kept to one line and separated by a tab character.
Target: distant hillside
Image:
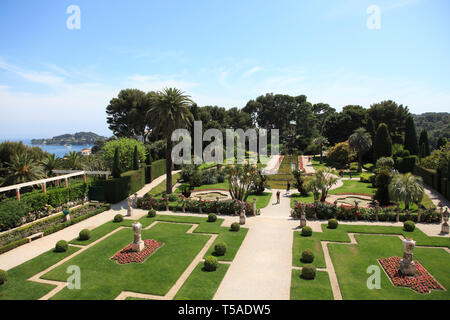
79	138
436	123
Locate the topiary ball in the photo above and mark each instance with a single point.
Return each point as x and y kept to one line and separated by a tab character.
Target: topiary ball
210	263
332	224
151	213
212	217
61	246
409	226
118	218
220	248
308	272
306	231
3	276
235	226
307	256
85	234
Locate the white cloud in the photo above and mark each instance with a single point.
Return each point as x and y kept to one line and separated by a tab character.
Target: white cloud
251	71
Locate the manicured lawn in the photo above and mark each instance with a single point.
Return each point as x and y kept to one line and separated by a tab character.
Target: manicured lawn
233	241
19	288
201	284
303	243
102	230
317	289
262	200
160	188
354	186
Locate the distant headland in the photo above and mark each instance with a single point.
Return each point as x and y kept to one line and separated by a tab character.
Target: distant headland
79	138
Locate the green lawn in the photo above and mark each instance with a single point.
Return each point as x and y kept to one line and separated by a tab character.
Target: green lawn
354	186
160	188
317	289
102	278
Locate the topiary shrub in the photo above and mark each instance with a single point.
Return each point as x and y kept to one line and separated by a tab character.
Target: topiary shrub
409	226
307	256
118	218
85	234
220	248
3	276
308	272
306	231
212	217
235	226
210	263
61	246
151	213
332	224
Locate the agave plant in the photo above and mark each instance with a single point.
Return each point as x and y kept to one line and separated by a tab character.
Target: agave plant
407	188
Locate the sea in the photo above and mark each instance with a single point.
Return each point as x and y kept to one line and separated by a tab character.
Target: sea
59	151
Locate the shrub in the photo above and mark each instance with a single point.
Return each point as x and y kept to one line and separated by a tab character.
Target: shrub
308	272
306	231
332	224
151	213
118	218
3	276
409	226
210	263
61	246
220	248
173	197
212	217
307	256
235	226
85	234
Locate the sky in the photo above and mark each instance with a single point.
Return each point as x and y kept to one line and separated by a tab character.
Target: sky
58	77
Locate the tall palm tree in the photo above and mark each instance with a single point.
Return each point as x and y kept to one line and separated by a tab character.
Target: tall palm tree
22	168
361	142
407	188
320	183
48	164
73	160
170	110
321	142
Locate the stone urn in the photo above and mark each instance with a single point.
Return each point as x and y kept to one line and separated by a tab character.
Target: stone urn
407	266
138	244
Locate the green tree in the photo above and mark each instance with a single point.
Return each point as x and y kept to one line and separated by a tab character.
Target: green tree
321	182
321	142
360	141
391	114
300	182
170	111
242	178
49	164
135	159
411	143
73	160
340	155
407	188
115	172
126	151
383	142
441	142
423	140
22	168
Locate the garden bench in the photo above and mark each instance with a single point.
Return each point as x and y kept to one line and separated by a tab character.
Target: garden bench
34	236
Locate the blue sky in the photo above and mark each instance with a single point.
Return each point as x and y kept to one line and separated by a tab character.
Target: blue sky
54	80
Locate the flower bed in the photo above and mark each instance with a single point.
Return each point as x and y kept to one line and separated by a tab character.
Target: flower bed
421	282
127	255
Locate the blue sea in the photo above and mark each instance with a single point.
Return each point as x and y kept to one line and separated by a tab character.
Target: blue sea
59	151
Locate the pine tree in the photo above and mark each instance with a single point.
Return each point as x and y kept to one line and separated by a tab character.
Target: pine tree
423	140
116	167
411	136
135	159
383	142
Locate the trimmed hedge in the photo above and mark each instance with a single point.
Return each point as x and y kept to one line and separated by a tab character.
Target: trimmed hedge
220	248
211	263
306	231
84	234
3	276
308	272
117	189
61	246
118	218
158	168
405	164
235	226
307	256
409	226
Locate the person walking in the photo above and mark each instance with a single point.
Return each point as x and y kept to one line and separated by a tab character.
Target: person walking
278	196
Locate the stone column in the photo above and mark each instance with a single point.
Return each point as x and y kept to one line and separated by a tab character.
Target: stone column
18	194
407	266
138	244
398	213
444	227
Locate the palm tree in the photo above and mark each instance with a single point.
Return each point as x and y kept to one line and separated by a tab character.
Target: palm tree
320	141
361	142
22	168
49	164
407	188
170	110
73	160
320	183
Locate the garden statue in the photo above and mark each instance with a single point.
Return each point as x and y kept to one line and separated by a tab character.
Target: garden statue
444	228
242	217
138	244
129	206
407	266
302	216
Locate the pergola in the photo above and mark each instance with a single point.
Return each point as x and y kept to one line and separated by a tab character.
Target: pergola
65	175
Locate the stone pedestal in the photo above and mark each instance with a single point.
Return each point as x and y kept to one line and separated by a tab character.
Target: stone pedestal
242	218
138	244
407	266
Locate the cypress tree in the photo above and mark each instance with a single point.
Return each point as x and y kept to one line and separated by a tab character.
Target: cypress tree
423	140
371	128
411	136
116	167
135	159
441	142
383	142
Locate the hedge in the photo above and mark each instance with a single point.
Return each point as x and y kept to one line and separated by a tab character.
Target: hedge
158	168
431	178
405	164
14	238
117	189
